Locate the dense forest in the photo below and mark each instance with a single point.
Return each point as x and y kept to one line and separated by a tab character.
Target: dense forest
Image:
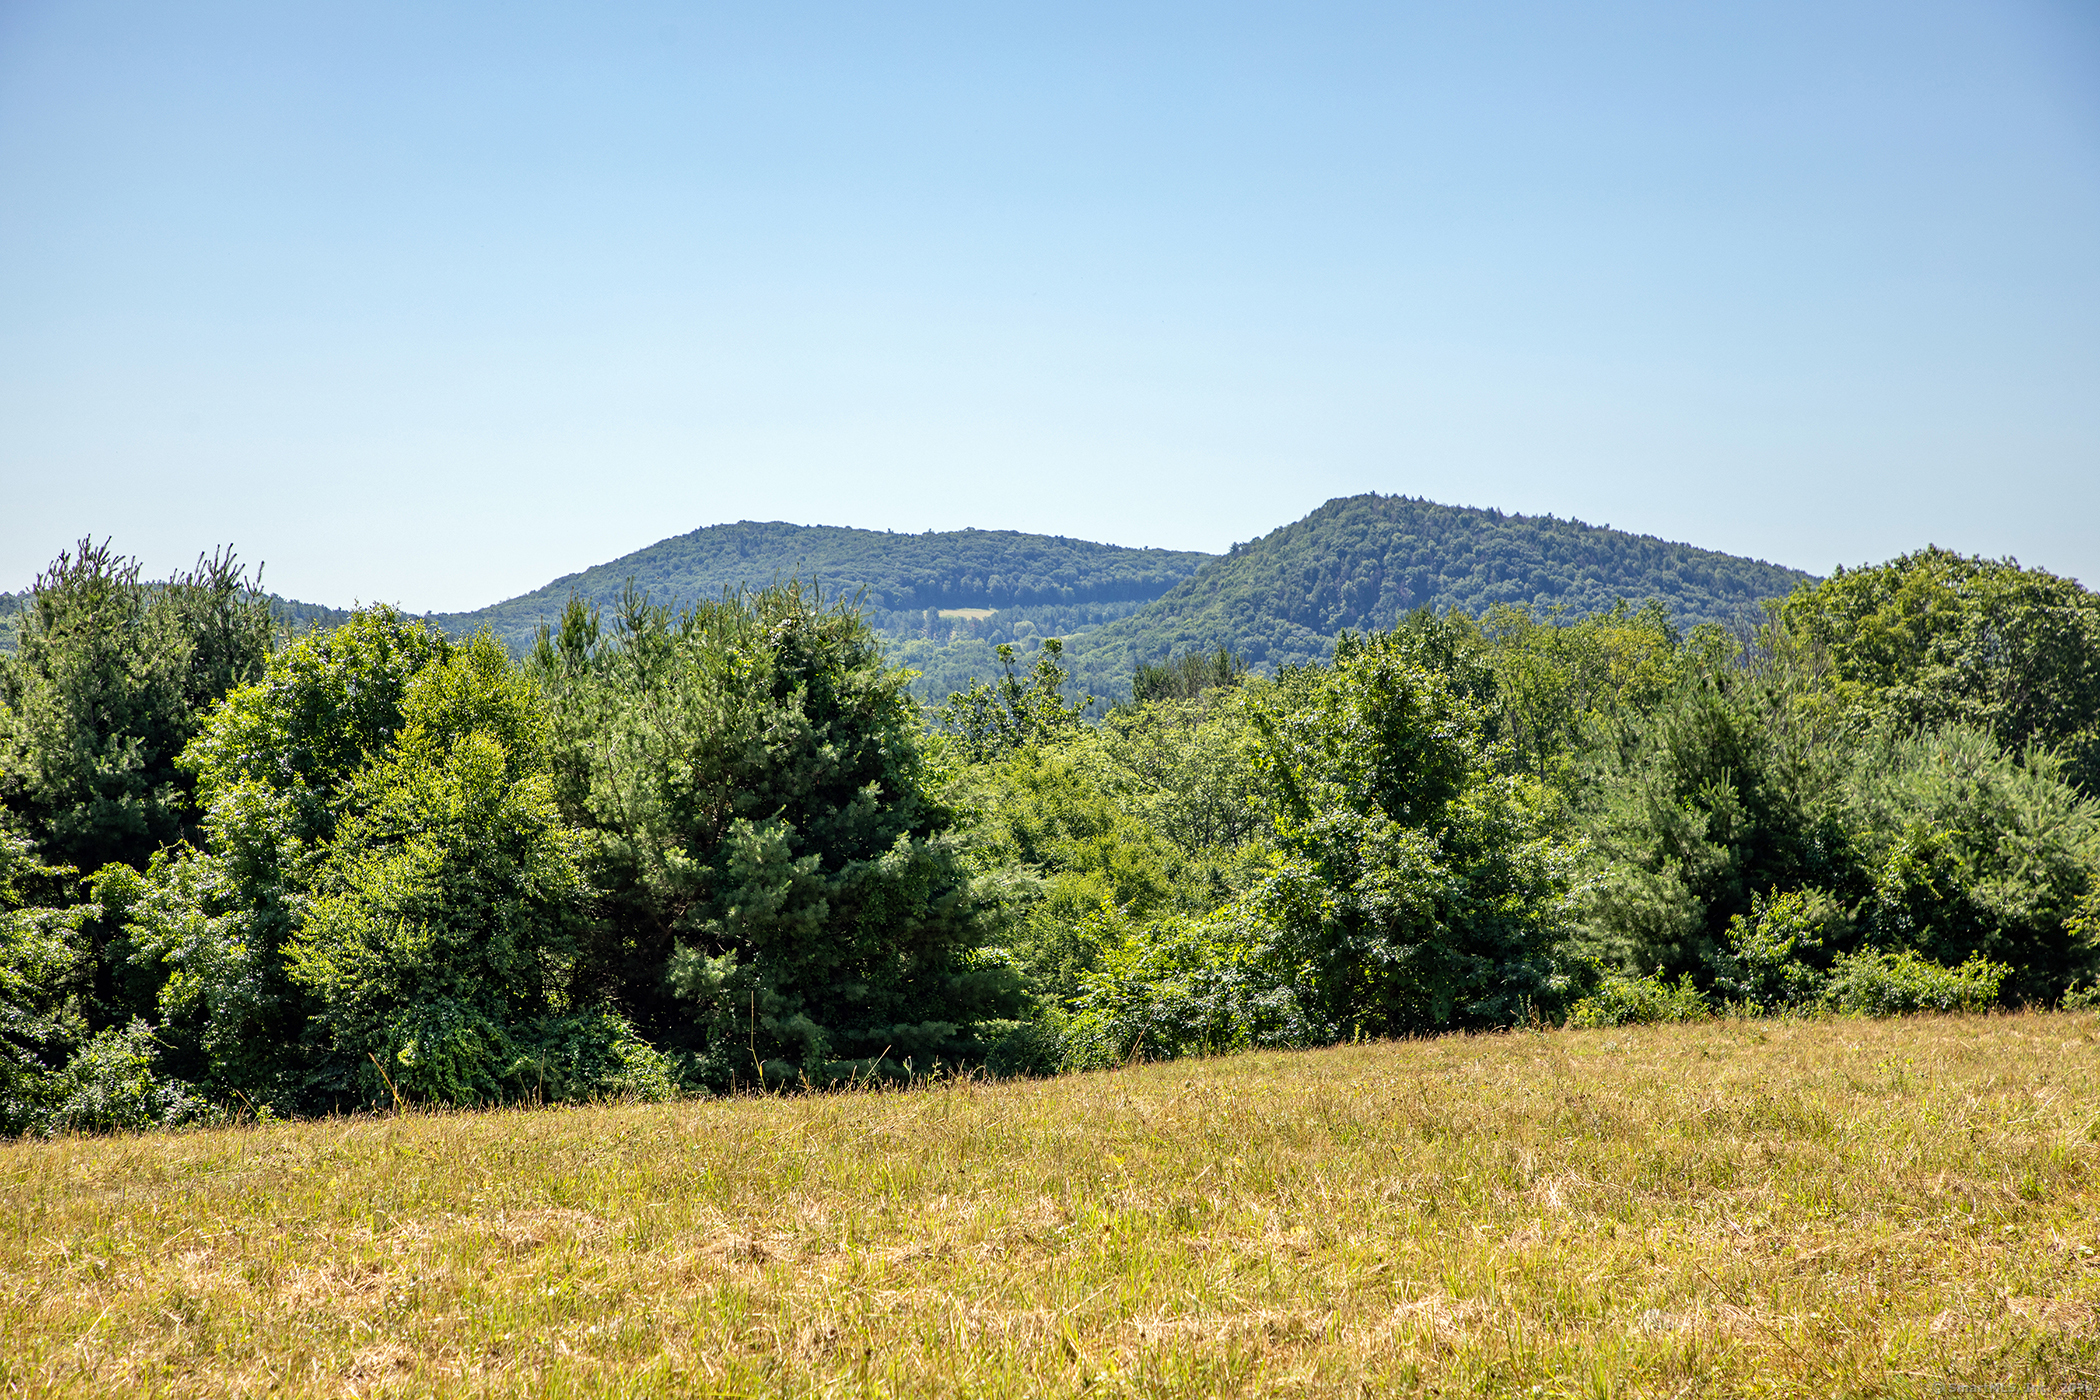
897	580
251	870
1365	562
943	602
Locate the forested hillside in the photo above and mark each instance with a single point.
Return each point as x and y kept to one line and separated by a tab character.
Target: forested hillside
900	579
301	617
1364	562
941	602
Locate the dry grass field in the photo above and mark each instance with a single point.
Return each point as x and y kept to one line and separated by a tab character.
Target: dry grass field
1736	1208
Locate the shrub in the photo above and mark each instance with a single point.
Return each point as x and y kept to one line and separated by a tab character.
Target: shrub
1640	1001
110	1085
590	1055
1871	983
1761	967
2082	998
1189	986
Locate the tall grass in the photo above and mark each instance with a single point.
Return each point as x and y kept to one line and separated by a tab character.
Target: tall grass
1723	1208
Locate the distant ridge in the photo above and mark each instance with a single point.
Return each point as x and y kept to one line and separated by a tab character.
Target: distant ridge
1361	562
942	600
893	575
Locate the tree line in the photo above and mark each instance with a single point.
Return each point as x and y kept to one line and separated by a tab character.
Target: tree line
251	870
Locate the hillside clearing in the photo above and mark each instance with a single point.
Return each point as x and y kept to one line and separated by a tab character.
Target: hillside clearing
1770	1208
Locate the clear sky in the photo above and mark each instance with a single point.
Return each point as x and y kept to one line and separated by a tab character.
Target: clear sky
432	302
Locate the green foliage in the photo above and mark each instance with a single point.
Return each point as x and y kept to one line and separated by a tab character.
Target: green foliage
1730	785
1421	889
1773	957
1936	638
111	1084
988	720
109	680
1972	852
1155	810
781	897
1640	1001
1180	986
1190	770
589	1055
1756	780
1187	676
12	606
1067	850
1554	683
896	578
1023	1049
1872	983
277	766
1366	562
41	960
387	898
442	917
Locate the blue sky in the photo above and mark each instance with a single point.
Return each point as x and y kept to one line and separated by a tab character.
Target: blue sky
431	303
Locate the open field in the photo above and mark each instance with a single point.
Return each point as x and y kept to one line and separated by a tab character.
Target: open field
1756	1208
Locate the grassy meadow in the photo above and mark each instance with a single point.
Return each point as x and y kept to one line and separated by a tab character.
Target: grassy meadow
1832	1207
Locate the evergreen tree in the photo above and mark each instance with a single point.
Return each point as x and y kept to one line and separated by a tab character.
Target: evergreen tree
109	681
782	896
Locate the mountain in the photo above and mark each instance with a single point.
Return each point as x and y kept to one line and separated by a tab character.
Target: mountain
903	582
1362	562
943	600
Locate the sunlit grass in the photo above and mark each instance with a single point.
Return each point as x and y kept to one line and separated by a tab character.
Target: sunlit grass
1835	1207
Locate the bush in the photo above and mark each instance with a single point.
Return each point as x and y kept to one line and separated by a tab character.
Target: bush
1872	983
110	1086
1640	1001
1189	986
1761	968
590	1055
2082	998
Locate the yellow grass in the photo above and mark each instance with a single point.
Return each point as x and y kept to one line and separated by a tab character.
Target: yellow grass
974	614
1735	1208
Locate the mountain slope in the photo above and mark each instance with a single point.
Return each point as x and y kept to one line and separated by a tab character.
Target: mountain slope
904	576
1365	561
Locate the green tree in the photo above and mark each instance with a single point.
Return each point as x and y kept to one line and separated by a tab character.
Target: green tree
442	930
780	887
1935	637
1971	852
276	767
1728	788
1421	889
40	962
110	678
991	719
1187	676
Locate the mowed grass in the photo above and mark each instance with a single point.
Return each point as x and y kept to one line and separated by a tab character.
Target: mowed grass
1821	1208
